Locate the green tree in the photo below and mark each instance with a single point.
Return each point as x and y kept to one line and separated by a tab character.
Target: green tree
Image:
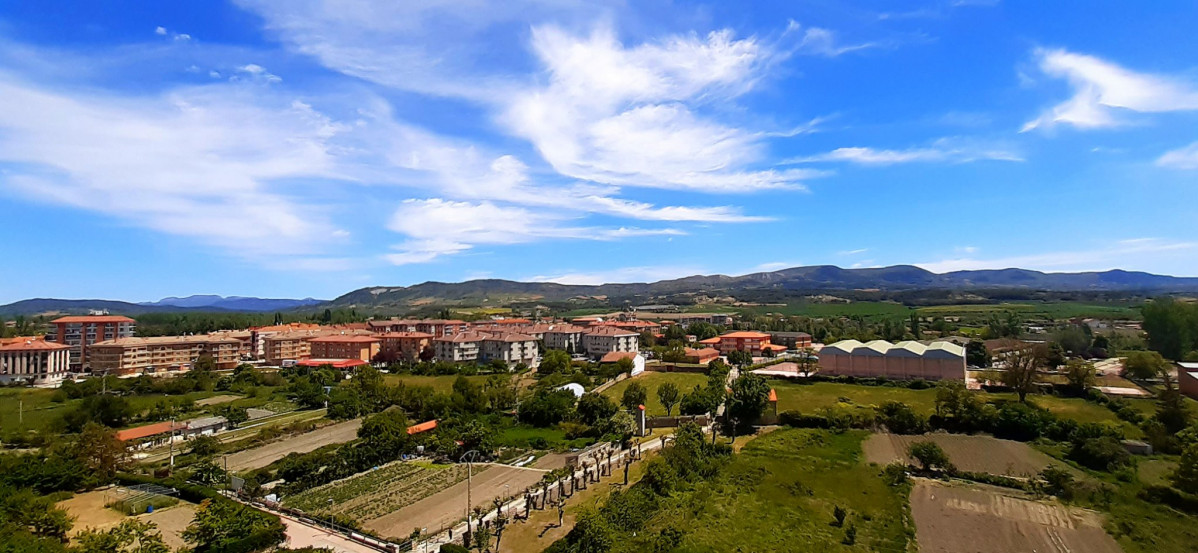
100	451
1080	374
204	446
669	396
750	395
634	395
235	415
1172	327
594	408
1185	476
592	533
1145	365
740	358
554	361
204	363
929	455
976	354
386	433
207	472
220	523
915	330
1022	372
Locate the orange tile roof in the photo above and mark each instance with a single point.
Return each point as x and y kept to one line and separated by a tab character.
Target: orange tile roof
335	363
406	335
345	338
422	427
147	430
710	341
30	343
93	319
745	334
615	356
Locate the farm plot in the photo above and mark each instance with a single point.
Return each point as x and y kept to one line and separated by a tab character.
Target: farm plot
259	457
449	505
984	519
969	453
373	494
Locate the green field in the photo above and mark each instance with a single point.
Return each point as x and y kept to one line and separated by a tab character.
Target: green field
440	384
1041	310
652	381
808	398
520	436
26	409
778	494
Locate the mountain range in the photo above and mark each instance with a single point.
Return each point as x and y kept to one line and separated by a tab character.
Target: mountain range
497	292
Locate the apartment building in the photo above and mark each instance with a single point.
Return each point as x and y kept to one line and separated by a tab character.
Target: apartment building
460	347
33	359
289	346
405	346
344	346
566	337
245	341
792	340
756	343
442	327
131	356
511	348
260	334
82	331
599	340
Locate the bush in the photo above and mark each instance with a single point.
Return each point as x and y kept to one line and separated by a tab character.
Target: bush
929	455
900	419
452	548
1103	453
798	420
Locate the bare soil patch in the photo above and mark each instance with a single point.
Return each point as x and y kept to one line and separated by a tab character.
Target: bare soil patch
984	519
259	457
171	522
216	400
449	505
89	511
969	453
550	461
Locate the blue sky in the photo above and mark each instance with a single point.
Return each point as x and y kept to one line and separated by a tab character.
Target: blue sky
291	148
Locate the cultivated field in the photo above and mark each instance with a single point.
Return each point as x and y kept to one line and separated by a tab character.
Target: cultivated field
969	453
217	400
259	457
654	380
447	506
442	384
808	398
372	494
956	518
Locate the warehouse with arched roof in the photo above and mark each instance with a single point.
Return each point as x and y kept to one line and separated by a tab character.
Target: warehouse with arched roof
907	360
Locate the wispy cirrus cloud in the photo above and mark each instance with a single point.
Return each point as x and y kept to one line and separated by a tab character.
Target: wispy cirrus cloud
437	227
1103	90
1115	255
1181	158
946	150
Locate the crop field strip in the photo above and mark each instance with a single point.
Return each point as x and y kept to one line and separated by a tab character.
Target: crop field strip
375	493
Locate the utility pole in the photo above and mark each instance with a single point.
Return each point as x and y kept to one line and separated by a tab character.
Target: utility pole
469	458
172	442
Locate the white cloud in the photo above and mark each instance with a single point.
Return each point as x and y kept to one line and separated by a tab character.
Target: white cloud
943	150
1118	254
160	31
256	72
823	42
627	115
852	252
621	275
1102	90
182	37
197	162
437	227
1181	158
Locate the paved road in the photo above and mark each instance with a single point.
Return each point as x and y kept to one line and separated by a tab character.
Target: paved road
301	535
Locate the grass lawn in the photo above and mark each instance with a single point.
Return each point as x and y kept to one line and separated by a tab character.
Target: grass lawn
652	381
36	409
778	494
520	435
808	398
441	384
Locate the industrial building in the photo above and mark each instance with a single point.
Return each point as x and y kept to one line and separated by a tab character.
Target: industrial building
907	360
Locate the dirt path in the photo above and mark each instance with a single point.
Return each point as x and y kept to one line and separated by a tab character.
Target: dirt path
449	505
89	511
983	519
970	453
216	400
259	457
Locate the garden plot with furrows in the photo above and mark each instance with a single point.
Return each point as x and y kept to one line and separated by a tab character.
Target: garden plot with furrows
374	493
968	453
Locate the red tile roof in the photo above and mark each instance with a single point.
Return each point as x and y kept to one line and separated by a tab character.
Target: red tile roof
148	430
745	334
615	356
93	319
406	335
339	338
422	427
30	343
608	331
335	363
